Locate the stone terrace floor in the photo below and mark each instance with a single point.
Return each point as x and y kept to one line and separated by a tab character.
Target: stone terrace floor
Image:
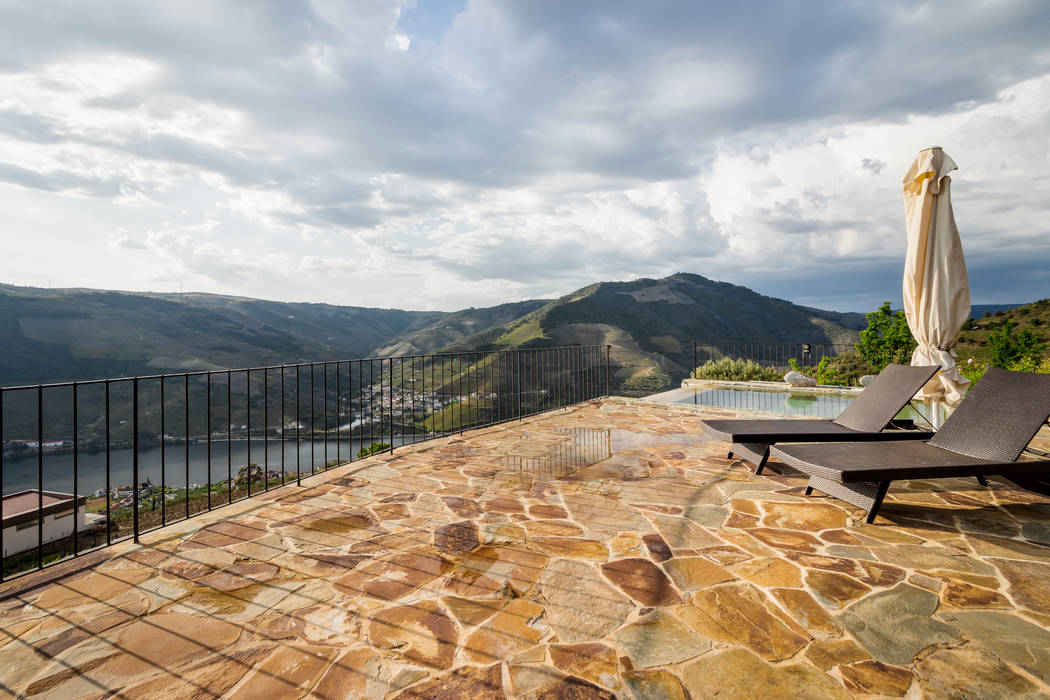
609	550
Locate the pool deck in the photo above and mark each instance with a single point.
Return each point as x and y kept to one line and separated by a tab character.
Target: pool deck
606	550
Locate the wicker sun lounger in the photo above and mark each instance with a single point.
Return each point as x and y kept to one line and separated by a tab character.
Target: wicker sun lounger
864	419
983	437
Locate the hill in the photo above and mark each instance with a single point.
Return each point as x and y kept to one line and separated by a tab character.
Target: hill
973	341
651	324
63	334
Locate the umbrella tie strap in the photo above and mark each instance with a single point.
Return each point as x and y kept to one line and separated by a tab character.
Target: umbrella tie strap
945	348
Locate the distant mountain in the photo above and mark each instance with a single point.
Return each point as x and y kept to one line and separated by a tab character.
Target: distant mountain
651	324
62	334
979	310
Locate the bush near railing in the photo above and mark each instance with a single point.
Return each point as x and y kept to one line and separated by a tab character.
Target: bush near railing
730	369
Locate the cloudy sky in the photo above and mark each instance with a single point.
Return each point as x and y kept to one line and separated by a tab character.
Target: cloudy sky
437	154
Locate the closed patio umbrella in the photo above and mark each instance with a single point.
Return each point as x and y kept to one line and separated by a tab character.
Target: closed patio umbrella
936	286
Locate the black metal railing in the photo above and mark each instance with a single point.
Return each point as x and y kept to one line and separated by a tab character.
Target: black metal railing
128	455
778	355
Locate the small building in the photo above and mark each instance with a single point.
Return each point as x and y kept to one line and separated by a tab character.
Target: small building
22	513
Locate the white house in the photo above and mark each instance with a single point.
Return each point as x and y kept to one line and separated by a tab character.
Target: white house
22	513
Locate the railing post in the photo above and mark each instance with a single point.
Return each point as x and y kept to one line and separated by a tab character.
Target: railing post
692	372
135	457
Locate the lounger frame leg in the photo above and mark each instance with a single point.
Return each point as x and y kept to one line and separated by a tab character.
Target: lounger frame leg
982	481
867	495
755	452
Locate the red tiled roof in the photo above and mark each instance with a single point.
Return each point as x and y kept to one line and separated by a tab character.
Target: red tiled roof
24	502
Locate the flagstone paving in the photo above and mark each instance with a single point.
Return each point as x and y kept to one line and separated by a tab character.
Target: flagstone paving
647	565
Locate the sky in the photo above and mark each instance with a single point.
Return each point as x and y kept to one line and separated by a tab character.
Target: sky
451	153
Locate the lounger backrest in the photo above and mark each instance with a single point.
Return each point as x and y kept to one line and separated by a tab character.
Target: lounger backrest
885	397
999	417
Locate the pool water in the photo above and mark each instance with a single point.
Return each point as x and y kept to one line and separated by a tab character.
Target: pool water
788	403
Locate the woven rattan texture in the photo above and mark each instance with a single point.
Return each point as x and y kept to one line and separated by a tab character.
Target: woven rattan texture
885	397
999	417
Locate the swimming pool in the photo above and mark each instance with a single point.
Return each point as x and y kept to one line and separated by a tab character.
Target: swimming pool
799	403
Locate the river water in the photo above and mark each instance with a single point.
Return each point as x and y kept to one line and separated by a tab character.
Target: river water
20	474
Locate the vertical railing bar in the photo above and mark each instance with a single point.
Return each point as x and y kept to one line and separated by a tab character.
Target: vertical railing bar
3	554
229	436
109	488
266	429
298	424
338	420
186	405
76	475
390	403
313	417
135	457
40	476
248	423
324	411
371	397
163	469
284	427
207	427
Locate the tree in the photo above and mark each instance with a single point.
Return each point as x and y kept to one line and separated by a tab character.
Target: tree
887	338
372	449
1009	352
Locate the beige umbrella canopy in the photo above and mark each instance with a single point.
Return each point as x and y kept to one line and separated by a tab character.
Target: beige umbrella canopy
936	286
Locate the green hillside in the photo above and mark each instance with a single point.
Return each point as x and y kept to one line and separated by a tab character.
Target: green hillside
651	324
973	341
63	334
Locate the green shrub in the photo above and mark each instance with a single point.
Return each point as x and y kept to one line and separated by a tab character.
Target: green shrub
886	339
738	370
1023	351
372	449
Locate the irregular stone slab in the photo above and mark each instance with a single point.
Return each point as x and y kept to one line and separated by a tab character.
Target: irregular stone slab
965	595
509	631
690	573
880	575
463	507
738	673
552	528
769	571
895	625
546	683
472	612
835	589
501	533
321	564
395	576
545	510
659	638
456	537
813	517
1008	637
605	514
1029	582
825	563
420	632
224	533
876	678
593	662
725	554
168	640
834	652
931	557
571	547
580	605
658	549
708	515
285	674
807	611
240	575
680	533
474	682
1010	549
487	571
971	672
357	673
738	613
655	685
642	580
786	539
503	504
